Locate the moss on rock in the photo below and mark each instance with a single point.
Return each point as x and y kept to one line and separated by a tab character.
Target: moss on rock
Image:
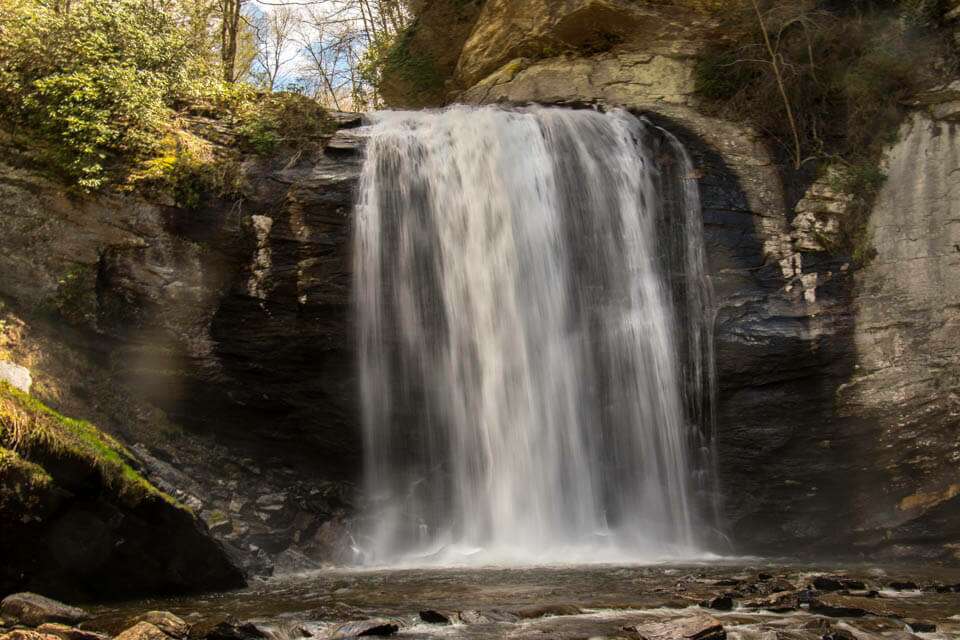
32	431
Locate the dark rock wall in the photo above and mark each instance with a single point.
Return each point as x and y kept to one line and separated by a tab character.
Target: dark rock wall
215	342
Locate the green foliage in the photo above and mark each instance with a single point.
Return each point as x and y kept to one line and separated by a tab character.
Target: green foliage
187	169
862	181
74	298
267	121
34	430
392	56
848	68
94	84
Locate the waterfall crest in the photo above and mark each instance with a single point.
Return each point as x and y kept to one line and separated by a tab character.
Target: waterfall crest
535	338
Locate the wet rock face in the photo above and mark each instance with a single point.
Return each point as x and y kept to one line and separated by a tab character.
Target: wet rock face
907	340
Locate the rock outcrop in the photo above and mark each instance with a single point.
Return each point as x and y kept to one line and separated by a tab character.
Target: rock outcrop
80	522
215	339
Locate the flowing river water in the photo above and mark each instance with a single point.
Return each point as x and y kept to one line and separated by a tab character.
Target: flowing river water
609	601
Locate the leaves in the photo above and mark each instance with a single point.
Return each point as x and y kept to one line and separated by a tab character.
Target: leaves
96	83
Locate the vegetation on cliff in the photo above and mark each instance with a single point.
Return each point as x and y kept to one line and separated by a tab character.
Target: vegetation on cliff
99	91
827	82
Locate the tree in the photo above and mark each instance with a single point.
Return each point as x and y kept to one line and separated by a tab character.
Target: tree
274	32
230	18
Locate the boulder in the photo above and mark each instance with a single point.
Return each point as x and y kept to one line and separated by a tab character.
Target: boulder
476	616
66	632
431	616
143	631
16	376
227	630
32	610
26	634
833	583
920	626
376	627
170	624
702	627
904	585
780	602
720	603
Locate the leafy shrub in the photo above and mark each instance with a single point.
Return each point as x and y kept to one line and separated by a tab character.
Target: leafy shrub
95	83
265	121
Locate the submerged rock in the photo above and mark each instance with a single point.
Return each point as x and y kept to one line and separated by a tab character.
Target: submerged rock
541	611
702	627
32	610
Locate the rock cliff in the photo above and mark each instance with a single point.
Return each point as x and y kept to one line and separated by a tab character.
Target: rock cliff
213	341
216	342
837	426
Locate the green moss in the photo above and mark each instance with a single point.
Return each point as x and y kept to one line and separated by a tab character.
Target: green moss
417	70
31	429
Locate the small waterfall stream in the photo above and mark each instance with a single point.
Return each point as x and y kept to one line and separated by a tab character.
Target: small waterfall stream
534	325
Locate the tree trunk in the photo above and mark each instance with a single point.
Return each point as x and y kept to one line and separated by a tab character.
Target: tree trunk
229	29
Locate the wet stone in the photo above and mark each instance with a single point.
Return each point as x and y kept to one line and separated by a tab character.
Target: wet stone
66	632
143	631
32	610
471	616
695	628
542	611
720	603
366	628
830	583
920	626
167	622
903	586
434	617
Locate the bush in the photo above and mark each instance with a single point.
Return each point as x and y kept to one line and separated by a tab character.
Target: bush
265	121
93	84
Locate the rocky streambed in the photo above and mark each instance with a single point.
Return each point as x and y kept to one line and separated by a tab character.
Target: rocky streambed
696	602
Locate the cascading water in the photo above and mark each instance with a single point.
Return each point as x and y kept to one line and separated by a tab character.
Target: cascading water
534	330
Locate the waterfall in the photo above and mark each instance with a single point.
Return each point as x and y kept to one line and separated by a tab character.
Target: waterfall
535	338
